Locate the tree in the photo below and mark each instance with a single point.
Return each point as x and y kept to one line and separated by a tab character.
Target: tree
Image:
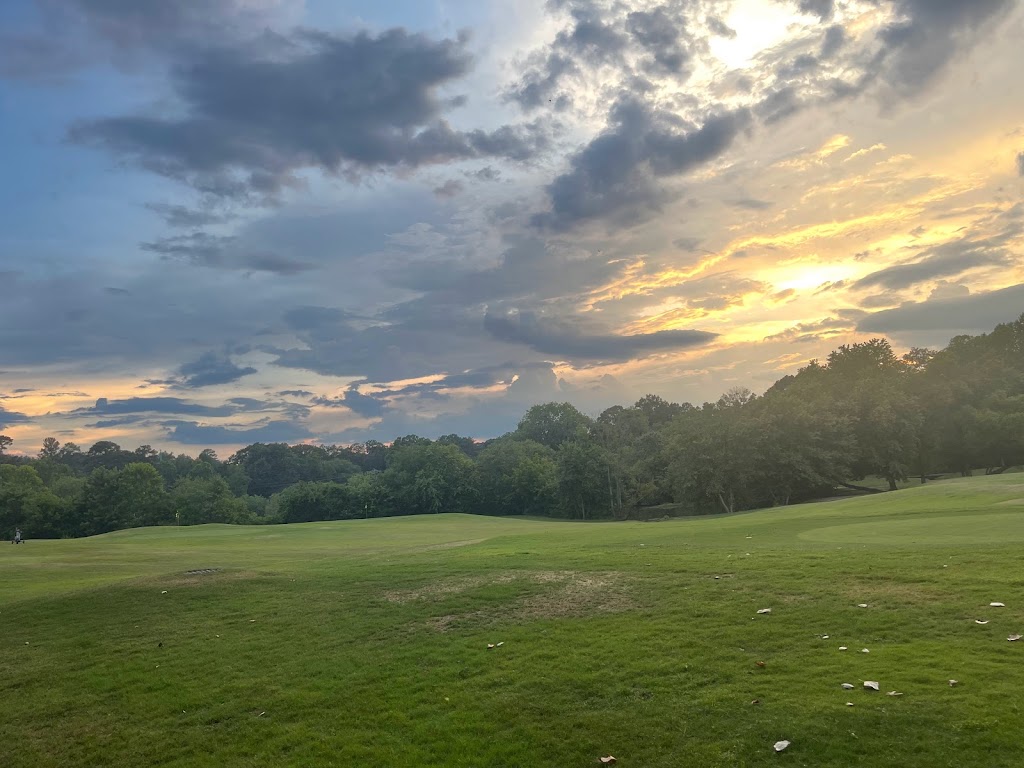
431	478
50	449
5	443
517	477
581	478
128	498
553	424
206	500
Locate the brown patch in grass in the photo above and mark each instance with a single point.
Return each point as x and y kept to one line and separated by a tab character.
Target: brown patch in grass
566	594
1011	503
880	592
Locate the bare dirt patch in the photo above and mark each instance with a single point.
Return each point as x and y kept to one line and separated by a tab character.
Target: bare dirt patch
563	594
1011	503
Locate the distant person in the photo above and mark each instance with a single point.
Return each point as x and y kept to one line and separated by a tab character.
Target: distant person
17	535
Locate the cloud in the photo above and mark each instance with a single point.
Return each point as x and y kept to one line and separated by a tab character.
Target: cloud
946	260
1020	164
210	369
182	217
74	34
253	116
979	312
133	405
223	252
10	418
613	177
928	35
564	342
451	188
360	404
193	433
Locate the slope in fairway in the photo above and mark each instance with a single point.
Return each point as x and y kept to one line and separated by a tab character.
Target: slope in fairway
365	642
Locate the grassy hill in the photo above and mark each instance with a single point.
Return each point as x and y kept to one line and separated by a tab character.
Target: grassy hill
364	643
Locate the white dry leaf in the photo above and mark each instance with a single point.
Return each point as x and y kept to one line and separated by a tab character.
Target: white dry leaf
764	611
500	644
997	605
871	685
894	693
848	686
781	745
164	592
490	646
863	605
842	648
849	703
1014	638
609	760
953	683
979	621
864	650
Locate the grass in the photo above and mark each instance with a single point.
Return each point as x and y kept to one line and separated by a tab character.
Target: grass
364	643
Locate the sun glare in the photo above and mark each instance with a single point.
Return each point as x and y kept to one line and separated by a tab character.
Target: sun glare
758	25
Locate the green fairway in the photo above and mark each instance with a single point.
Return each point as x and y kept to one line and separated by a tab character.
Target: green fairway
364	643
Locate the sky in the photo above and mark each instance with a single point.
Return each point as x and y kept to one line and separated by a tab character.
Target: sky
327	221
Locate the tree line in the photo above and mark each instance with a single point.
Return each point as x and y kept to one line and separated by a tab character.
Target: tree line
862	420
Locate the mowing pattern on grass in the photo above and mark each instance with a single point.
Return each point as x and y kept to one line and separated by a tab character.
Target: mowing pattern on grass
459	641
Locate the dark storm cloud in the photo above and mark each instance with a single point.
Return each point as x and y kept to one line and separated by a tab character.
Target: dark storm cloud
928	36
659	35
138	405
223	252
192	433
946	260
10	418
255	115
360	404
565	342
979	312
211	369
614	176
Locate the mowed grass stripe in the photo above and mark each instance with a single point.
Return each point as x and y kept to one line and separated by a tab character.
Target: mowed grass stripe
365	642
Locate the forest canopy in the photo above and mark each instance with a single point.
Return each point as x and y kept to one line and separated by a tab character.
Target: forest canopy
862	420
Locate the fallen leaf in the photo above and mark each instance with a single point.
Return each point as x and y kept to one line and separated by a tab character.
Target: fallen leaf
871	685
848	686
164	592
953	683
608	760
863	605
864	650
760	663
1014	638
755	701
849	703
824	637
894	693
997	605
490	645
979	621
781	745
763	611
842	648
261	714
